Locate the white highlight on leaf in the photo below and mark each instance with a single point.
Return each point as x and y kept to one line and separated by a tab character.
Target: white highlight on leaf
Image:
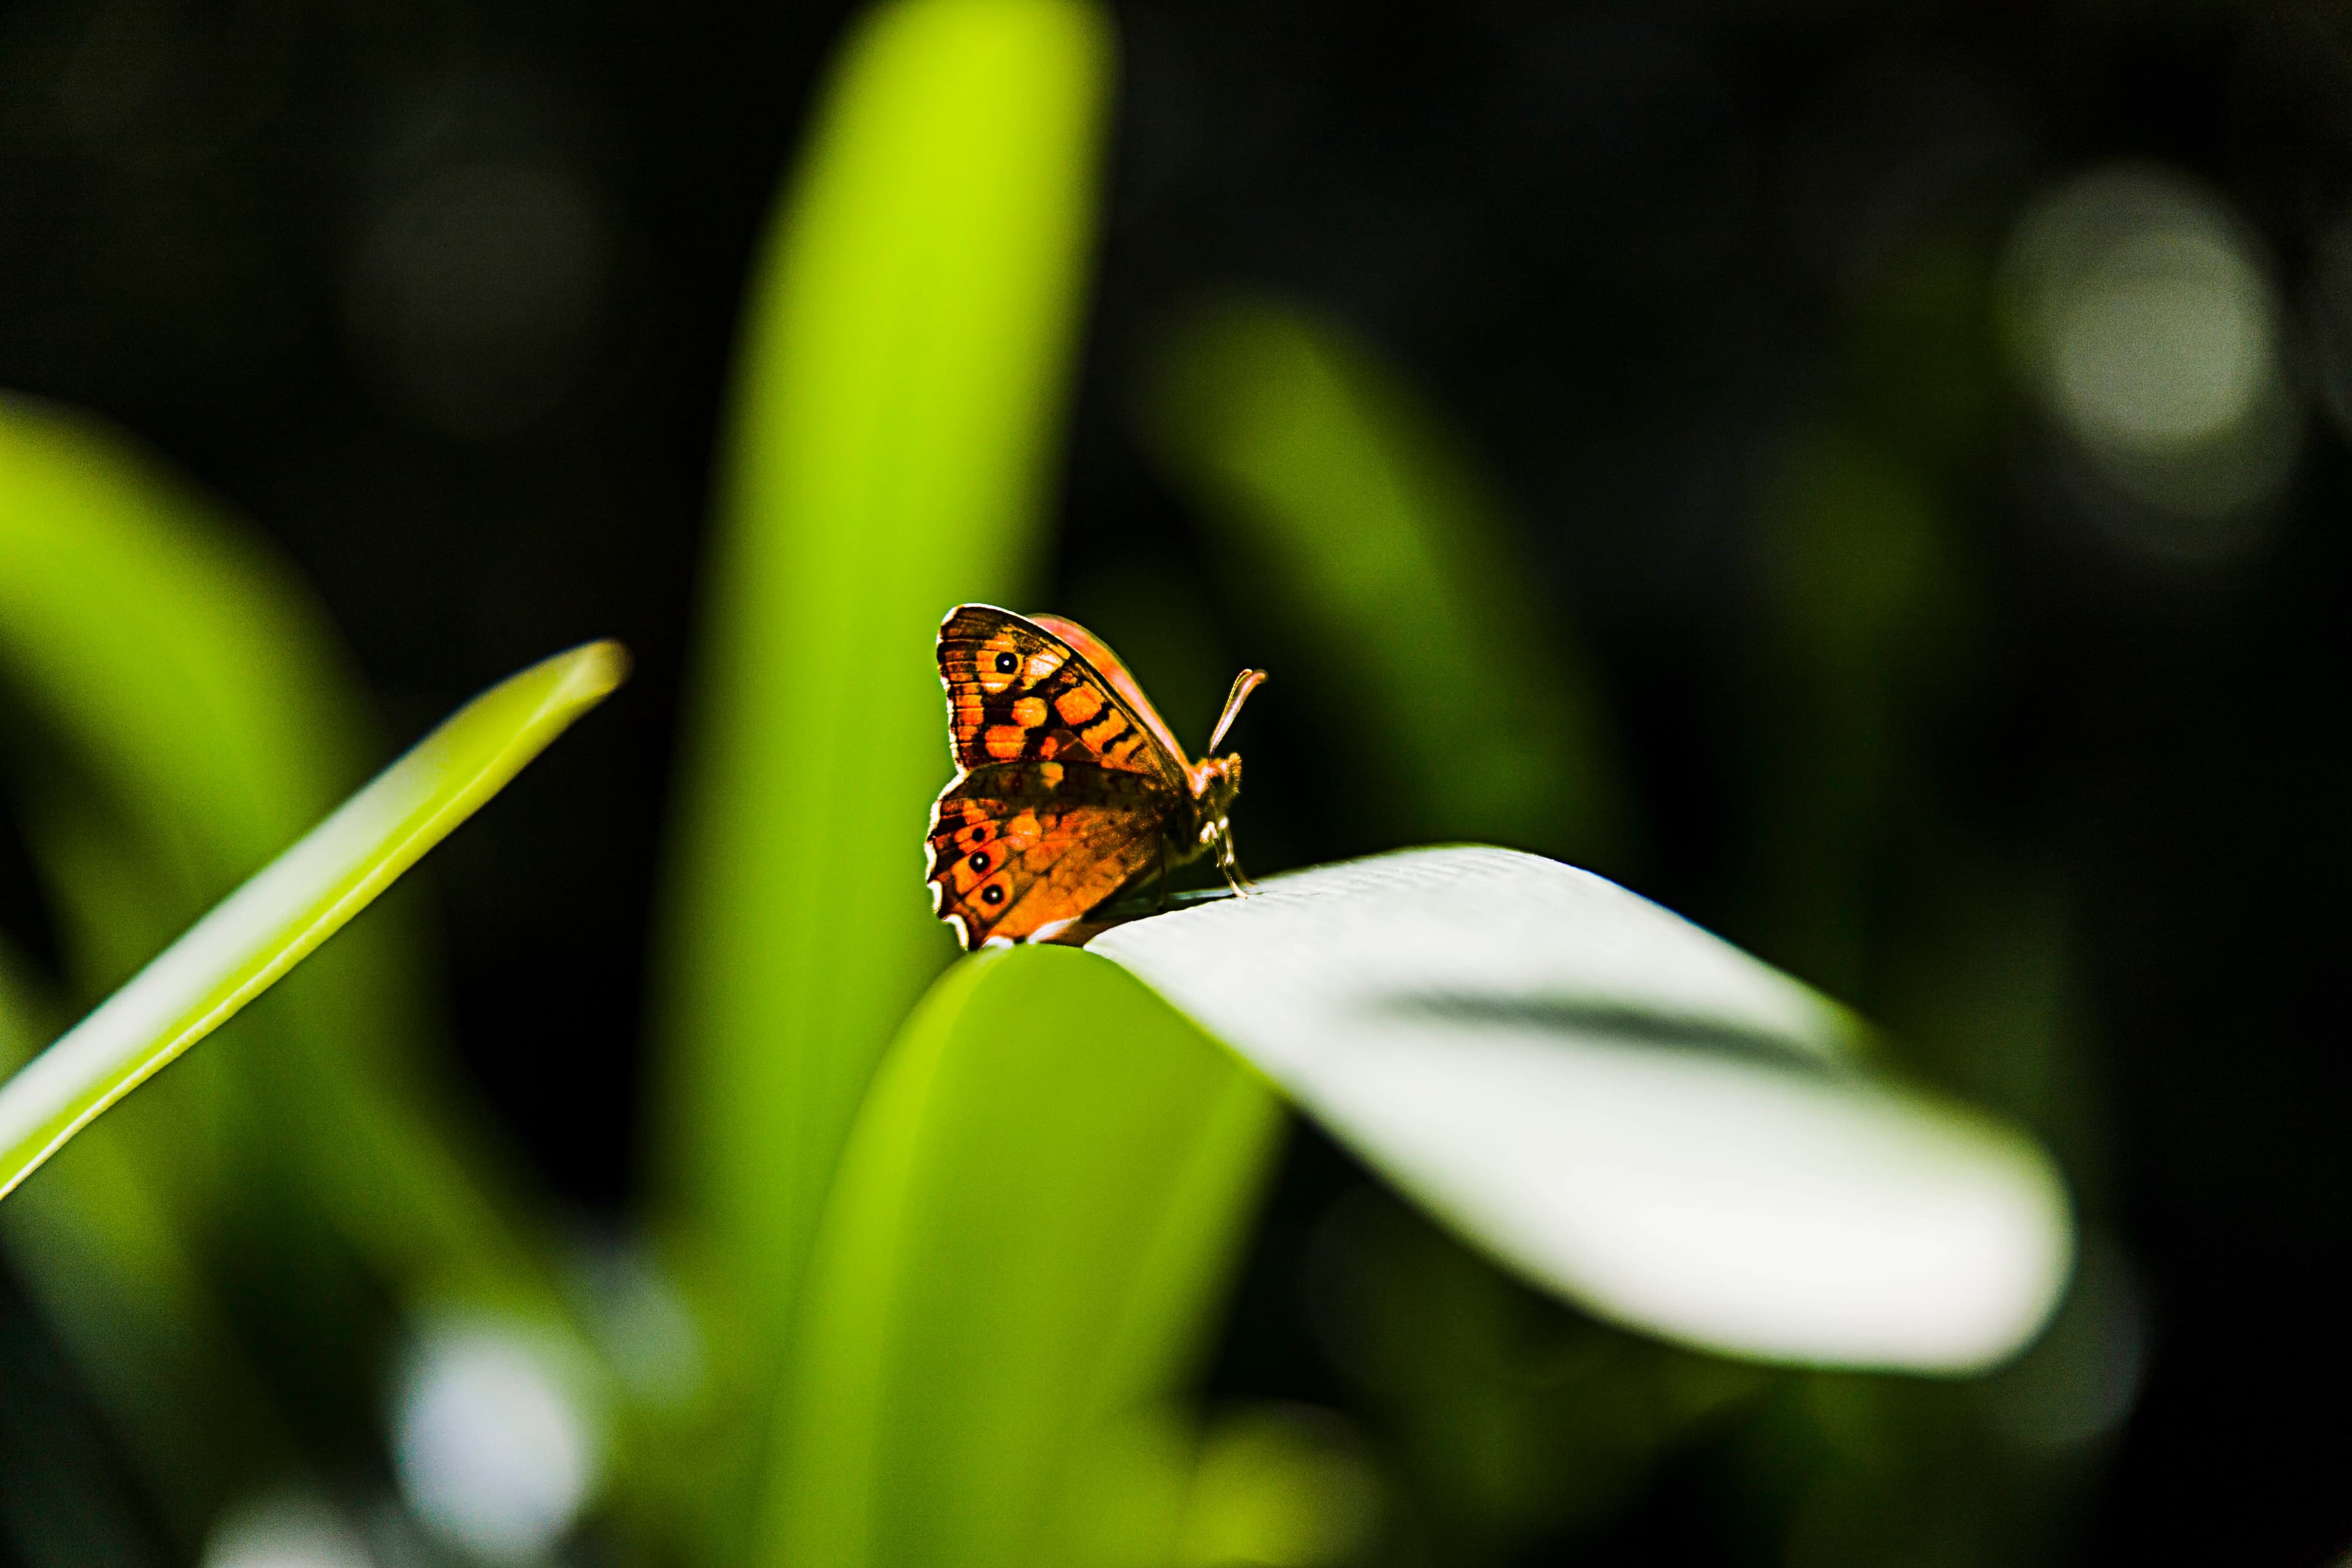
1625	1108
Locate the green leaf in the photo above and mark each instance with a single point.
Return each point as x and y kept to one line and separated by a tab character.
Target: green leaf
294	904
1034	1215
175	659
901	388
191	716
1360	527
119	1284
178	713
1625	1108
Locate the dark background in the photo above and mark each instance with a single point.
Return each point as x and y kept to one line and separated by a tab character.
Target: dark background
1633	254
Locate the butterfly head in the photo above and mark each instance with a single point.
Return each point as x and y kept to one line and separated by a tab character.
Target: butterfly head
1216	783
1217	780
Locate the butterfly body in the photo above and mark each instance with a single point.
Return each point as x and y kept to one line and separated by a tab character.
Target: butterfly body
1068	784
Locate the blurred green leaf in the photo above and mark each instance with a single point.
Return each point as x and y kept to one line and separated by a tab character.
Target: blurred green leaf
1280	1486
180	663
1265	1483
901	386
120	1286
183	717
294	904
1124	1504
1870	642
1034	1216
192	716
1354	521
1625	1108
178	713
1509	1419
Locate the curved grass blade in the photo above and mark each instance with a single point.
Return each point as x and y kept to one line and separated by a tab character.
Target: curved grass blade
294	904
1030	1227
1625	1108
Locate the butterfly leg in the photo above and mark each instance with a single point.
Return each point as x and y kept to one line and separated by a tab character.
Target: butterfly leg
1164	872
1229	864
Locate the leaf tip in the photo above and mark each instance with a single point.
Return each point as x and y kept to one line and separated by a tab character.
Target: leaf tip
599	668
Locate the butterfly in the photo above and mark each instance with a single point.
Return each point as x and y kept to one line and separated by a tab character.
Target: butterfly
1068	784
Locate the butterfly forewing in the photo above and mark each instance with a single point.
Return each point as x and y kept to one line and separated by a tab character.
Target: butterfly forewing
1018	693
1018	845
1114	673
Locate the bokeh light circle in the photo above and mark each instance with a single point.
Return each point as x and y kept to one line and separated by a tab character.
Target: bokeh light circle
2143	315
496	1440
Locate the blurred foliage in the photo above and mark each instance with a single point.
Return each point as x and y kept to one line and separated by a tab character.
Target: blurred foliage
1632	473
1027	1236
1348	519
191	725
192	721
277	917
903	371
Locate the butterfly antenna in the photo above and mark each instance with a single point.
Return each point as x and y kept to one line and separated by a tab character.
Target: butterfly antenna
1247	681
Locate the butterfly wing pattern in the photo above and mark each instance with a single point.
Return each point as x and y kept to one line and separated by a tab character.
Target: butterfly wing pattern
1067	786
1011	854
1016	693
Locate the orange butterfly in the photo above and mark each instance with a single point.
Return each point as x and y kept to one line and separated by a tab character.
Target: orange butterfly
1068	784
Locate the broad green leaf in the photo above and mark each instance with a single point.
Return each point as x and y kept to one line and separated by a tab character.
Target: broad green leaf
1352	520
1034	1213
900	392
294	904
1625	1108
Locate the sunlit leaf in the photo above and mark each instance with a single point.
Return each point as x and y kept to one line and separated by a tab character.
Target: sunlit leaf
294	904
1625	1108
1034	1215
901	386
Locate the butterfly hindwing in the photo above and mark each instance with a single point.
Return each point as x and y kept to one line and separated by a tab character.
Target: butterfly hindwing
1017	692
1018	845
